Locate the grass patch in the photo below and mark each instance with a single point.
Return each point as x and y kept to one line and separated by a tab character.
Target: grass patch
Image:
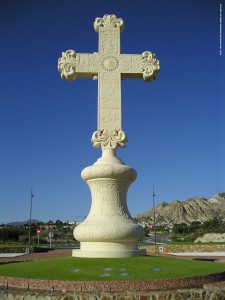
137	268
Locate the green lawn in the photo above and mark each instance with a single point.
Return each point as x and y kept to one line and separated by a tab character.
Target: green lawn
137	268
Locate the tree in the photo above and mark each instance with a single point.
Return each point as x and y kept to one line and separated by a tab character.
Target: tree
9	235
59	224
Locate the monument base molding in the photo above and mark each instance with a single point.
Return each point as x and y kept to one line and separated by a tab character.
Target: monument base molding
108	250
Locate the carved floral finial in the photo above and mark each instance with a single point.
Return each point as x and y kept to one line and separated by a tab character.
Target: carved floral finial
109	139
108	21
150	66
67	65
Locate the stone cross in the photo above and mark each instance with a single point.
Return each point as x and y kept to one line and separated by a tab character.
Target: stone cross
108	66
109	230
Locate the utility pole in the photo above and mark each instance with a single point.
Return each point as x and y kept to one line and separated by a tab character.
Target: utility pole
153	199
31	197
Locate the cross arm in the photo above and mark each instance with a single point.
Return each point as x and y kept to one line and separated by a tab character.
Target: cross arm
143	65
74	65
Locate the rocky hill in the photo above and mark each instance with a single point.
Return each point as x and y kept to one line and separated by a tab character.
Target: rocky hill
193	209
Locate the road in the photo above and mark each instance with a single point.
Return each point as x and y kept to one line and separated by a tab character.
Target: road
159	240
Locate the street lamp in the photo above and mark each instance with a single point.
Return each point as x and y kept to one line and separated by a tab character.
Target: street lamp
31	197
153	199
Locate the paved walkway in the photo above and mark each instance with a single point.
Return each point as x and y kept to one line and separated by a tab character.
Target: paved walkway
205	254
36	256
12	257
11	254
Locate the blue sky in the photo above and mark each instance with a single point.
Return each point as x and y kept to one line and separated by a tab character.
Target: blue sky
175	125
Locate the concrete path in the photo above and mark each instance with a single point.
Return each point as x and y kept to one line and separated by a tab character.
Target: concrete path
11	254
36	256
206	254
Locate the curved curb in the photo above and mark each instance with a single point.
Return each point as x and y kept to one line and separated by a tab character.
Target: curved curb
12	283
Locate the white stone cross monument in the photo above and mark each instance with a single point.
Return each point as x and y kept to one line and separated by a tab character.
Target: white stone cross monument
109	230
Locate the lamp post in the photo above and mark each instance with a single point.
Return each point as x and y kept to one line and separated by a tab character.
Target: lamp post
153	199
31	197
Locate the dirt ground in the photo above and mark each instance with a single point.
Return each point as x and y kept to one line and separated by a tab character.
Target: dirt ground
68	252
37	256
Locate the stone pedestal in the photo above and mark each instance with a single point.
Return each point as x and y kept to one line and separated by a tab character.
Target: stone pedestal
109	230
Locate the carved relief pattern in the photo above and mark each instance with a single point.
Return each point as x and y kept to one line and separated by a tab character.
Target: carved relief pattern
109	118
109	89
110	202
93	62
125	62
87	63
110	33
109	22
109	139
136	62
67	65
109	197
109	46
83	62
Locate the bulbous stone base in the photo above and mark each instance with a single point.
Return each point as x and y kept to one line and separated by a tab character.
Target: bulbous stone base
109	230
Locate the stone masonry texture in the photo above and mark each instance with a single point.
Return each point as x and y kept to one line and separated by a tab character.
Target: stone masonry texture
187	294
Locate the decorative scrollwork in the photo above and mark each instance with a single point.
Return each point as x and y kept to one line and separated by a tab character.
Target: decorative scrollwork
150	66
108	21
67	65
109	139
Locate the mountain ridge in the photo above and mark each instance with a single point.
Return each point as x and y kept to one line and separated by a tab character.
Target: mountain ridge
193	209
20	223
